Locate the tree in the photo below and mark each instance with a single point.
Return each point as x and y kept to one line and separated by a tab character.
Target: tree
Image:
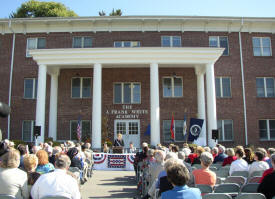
114	12
34	8
102	13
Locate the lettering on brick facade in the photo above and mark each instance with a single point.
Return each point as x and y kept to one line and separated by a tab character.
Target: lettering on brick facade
127	112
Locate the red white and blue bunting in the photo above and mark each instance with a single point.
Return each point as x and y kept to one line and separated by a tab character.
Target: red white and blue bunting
131	158
99	158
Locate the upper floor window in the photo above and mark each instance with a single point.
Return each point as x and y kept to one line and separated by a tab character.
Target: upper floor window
30	88
261	46
179	129
85	126
27	130
219	42
225	128
82	42
265	87
172	87
223	87
171	41
127	93
35	43
267	129
81	87
127	44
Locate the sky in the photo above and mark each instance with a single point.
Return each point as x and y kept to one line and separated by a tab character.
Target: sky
238	8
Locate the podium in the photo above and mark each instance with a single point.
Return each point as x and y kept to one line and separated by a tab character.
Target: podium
118	149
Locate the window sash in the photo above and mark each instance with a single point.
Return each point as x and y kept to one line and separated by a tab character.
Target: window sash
172	87
171	41
127	44
85	127
261	46
27	130
219	42
225	128
267	129
81	87
178	124
82	42
35	43
127	93
223	87
30	88
265	87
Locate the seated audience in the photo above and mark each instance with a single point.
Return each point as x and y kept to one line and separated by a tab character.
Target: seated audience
231	157
140	156
75	160
13	180
270	170
270	151
259	163
56	150
43	162
267	185
57	182
181	156
240	164
205	175
199	150
178	176
249	156
207	149
221	155
23	151
214	151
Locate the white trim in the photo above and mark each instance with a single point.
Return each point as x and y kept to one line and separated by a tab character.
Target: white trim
261	47
36	44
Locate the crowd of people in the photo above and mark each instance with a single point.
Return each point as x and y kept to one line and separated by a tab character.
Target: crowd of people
171	171
44	170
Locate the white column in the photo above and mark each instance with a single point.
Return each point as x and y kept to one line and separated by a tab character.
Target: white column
154	96
211	103
96	117
41	101
53	105
201	106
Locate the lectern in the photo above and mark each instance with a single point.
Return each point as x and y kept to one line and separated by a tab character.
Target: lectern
117	149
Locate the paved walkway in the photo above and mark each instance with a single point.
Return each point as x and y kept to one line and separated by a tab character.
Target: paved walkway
110	184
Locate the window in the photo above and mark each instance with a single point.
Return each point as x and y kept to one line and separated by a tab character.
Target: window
81	87
30	88
85	129
172	87
82	42
223	87
219	42
265	87
179	137
35	43
261	46
171	41
126	44
225	128
267	129
27	130
127	93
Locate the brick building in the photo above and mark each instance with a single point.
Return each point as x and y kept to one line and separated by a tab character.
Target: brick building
120	74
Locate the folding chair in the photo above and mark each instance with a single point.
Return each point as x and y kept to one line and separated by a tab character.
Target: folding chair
251	196
217	196
256	173
222	173
227	188
250	188
240	173
55	197
6	196
198	166
235	179
204	188
212	168
255	179
217	165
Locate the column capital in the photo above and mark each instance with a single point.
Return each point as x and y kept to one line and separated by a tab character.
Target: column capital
200	70
53	71
154	64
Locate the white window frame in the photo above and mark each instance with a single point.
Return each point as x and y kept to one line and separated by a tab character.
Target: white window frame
223	140
172	86
81	87
261	47
33	88
265	88
169	141
221	87
131	44
267	129
122	92
82	41
171	40
219	44
36	43
71	121
32	124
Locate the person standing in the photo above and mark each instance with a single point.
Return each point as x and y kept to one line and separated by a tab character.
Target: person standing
119	141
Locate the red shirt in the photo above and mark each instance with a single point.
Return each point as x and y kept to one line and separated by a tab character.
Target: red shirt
192	156
266	172
229	160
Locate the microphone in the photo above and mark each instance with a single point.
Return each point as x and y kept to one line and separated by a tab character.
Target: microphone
4	110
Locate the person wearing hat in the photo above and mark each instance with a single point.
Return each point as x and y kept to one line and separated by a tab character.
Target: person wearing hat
58	182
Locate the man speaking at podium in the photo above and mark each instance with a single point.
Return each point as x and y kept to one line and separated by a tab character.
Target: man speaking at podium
119	141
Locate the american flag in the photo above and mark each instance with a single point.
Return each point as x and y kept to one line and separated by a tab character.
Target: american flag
79	130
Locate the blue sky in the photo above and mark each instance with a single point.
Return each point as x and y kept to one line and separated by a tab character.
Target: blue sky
250	8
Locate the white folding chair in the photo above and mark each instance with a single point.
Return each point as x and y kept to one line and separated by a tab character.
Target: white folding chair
250	188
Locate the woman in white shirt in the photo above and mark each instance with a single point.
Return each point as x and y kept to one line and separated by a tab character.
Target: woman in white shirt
259	164
240	164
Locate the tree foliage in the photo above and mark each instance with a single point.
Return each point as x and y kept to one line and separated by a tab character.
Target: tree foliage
114	12
34	8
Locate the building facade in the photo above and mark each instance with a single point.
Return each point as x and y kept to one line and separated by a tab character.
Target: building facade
129	75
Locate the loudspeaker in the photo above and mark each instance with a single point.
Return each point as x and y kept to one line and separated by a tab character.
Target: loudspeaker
215	134
4	110
37	131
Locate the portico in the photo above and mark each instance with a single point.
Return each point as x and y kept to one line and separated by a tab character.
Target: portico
52	60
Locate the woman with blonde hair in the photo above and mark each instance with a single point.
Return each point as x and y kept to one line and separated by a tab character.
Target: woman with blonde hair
43	162
13	180
30	164
230	158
